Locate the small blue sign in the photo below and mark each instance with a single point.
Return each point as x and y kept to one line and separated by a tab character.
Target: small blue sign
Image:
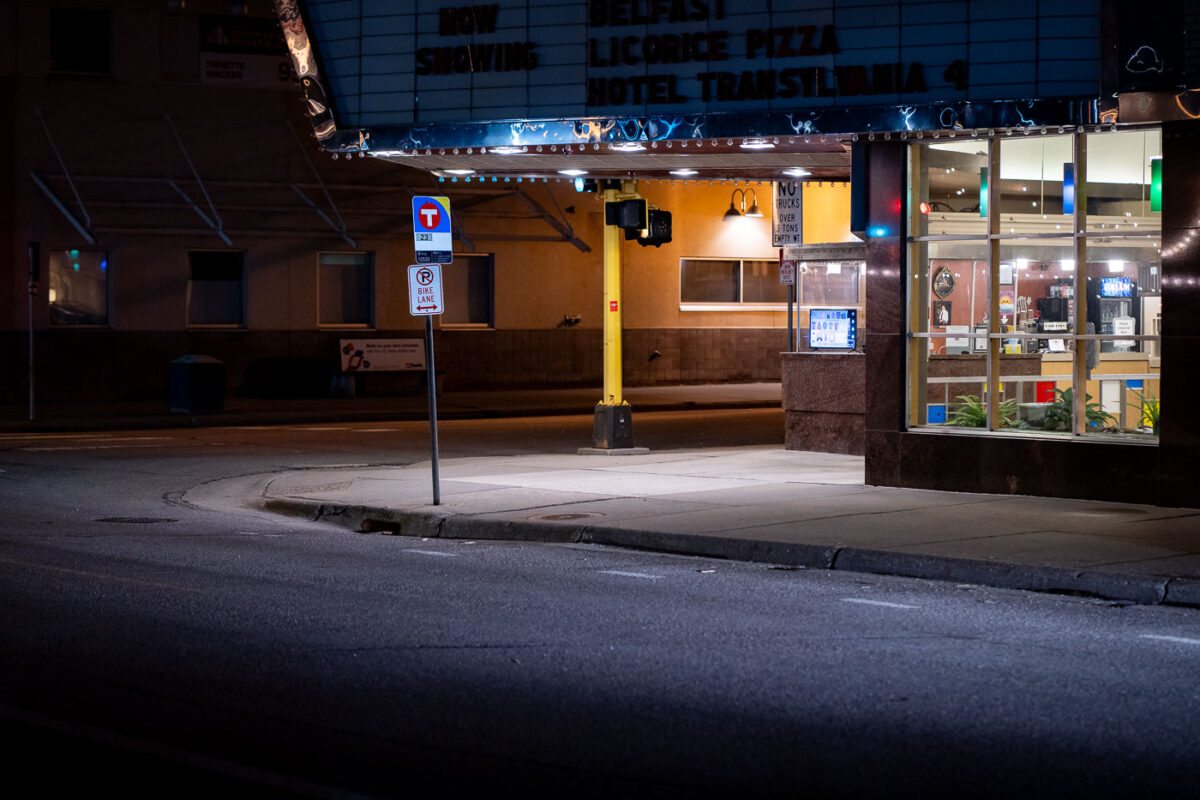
937	413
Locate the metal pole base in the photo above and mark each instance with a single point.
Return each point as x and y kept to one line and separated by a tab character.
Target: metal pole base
612	432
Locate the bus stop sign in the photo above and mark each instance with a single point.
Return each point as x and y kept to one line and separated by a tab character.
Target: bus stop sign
431	230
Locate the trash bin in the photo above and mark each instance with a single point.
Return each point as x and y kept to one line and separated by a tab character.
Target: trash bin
196	384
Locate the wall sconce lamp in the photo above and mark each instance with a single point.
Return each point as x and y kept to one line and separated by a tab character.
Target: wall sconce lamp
733	211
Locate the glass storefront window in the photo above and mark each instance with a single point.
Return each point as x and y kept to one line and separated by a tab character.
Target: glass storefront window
1035	170
1005	326
1120	181
953	175
833	283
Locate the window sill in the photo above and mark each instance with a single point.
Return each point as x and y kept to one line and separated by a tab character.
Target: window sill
732	307
1140	439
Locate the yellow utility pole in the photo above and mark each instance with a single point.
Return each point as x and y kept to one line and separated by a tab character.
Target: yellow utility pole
612	427
612	310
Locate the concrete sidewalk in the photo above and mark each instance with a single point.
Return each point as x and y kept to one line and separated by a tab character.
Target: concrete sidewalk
767	504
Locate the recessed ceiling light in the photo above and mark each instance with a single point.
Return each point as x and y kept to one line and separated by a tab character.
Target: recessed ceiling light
572	172
757	143
508	150
628	147
459	171
797	172
683	172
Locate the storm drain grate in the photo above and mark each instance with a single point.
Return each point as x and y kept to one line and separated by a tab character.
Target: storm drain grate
135	520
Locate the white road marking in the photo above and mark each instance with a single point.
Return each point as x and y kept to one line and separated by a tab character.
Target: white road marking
312	428
432	553
1176	639
629	574
880	603
91	447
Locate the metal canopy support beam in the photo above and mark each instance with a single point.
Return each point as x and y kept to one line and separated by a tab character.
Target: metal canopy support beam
66	212
321	213
568	233
340	226
215	223
199	211
87	220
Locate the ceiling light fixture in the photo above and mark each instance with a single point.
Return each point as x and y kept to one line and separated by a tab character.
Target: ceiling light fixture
459	171
508	150
797	172
683	172
756	143
628	147
571	173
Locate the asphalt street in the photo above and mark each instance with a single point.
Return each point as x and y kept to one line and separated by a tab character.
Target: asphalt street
154	647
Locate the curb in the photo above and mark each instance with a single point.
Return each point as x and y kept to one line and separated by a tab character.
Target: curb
233	419
1118	587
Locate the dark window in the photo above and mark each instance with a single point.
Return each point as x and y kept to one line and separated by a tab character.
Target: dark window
467	287
345	289
81	41
215	287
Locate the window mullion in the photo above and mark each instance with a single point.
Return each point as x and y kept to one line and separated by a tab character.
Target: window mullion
993	342
1079	368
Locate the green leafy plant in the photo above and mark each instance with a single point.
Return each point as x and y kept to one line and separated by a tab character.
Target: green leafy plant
972	412
1058	413
1148	408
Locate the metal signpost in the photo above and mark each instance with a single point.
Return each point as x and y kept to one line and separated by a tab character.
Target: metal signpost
787	277
425	299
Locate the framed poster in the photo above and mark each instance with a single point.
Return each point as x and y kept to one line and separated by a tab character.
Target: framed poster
941	313
1006	275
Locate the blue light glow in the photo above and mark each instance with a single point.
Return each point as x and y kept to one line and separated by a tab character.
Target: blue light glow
875	231
1068	188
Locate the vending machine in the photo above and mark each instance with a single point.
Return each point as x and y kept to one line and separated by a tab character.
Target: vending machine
1112	302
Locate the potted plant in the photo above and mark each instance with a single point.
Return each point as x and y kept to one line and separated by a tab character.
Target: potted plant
1148	408
1058	413
972	412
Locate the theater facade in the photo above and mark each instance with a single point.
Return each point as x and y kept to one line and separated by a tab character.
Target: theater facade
1021	176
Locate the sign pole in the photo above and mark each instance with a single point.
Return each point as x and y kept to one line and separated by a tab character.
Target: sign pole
791	348
791	300
431	379
35	270
433	246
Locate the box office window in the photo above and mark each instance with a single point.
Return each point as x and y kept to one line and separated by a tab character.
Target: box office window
216	288
78	290
346	296
1035	305
730	282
